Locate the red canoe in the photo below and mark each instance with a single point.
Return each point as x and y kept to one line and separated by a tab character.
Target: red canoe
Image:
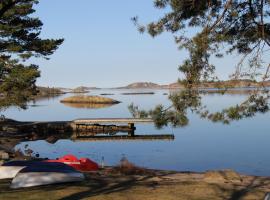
82	164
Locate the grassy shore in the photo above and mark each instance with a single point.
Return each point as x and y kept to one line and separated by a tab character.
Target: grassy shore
88	105
89	99
112	183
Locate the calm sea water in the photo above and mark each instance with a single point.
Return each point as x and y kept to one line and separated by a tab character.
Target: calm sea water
243	145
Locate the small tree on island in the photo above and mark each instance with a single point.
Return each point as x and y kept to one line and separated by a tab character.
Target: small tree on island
19	41
208	28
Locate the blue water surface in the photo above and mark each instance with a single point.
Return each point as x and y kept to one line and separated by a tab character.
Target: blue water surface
202	145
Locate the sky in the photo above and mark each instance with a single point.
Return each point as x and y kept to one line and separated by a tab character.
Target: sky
103	48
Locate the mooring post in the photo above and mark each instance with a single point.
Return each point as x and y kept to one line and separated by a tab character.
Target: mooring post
76	130
132	127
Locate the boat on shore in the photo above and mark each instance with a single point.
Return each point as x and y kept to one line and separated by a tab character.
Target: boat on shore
8	172
45	173
10	169
36	173
82	164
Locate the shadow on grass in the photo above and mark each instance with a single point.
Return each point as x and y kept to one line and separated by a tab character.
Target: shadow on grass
98	184
94	185
257	183
111	184
257	186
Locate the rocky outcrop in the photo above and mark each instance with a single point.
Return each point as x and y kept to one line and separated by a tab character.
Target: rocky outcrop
81	89
49	92
141	85
217	84
222	176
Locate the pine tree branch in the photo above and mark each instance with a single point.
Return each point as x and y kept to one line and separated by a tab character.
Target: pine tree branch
228	3
8	6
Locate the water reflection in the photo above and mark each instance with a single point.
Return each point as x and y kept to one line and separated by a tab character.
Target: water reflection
191	100
93	136
202	145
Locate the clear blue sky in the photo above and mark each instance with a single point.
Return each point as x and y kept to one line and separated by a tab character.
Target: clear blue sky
103	48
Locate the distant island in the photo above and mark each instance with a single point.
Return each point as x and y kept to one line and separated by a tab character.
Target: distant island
56	91
89	100
80	89
141	85
45	92
229	84
178	85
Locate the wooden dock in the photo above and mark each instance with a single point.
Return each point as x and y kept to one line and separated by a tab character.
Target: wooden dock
97	128
112	120
124	137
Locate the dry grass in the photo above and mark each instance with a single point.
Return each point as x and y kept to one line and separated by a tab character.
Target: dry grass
127	168
88	105
89	100
160	185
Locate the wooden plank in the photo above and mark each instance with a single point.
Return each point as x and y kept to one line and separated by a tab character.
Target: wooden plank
112	120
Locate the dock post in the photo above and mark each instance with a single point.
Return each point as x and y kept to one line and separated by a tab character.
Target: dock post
132	127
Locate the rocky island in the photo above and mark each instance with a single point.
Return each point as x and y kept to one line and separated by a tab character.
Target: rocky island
241	83
47	92
89	99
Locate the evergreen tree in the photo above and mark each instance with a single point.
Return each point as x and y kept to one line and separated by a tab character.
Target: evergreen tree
240	27
19	41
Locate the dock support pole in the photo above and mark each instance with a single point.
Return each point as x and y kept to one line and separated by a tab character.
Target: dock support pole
132	127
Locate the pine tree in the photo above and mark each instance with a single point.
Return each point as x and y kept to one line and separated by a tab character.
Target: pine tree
219	27
222	27
19	41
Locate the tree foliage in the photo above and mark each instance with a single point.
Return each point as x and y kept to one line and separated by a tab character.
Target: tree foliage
208	28
19	41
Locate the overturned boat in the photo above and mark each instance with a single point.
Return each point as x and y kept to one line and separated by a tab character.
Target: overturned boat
10	169
44	174
82	164
35	173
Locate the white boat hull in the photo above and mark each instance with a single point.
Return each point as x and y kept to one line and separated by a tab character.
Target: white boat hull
8	172
31	179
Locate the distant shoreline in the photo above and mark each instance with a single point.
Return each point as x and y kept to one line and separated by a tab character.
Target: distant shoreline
220	85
